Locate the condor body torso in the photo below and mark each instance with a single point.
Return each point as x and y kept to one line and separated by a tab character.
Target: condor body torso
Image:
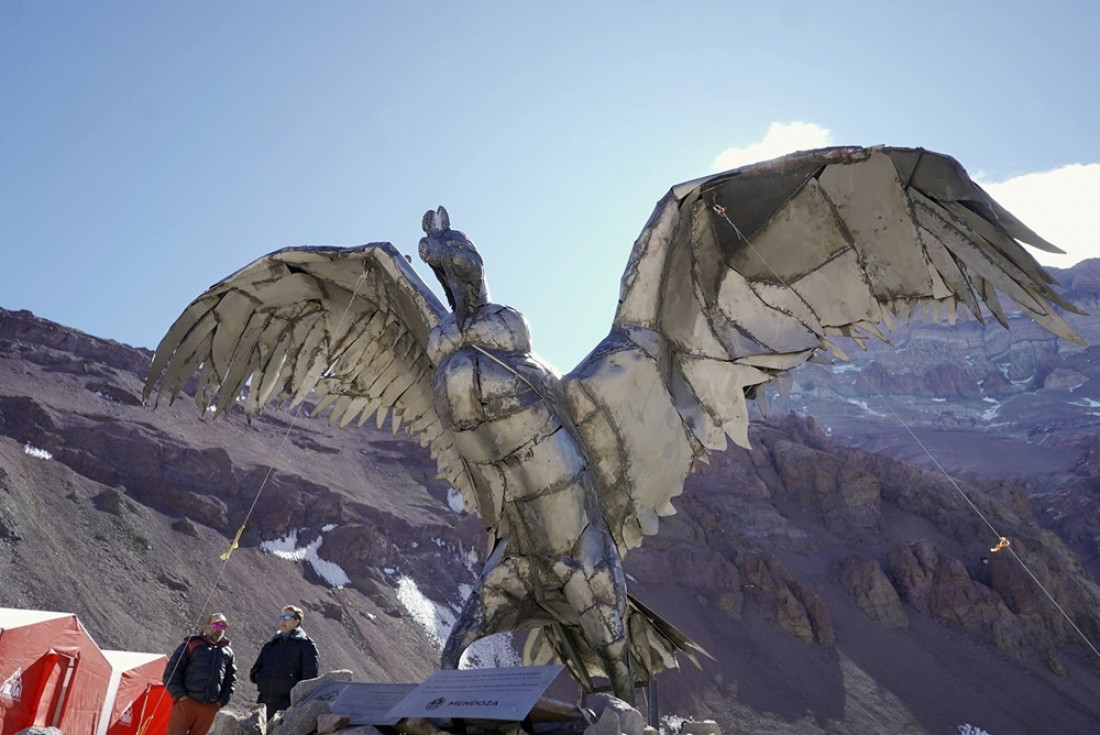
504	409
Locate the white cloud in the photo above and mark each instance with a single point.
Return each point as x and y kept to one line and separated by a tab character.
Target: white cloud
1055	204
1058	206
781	139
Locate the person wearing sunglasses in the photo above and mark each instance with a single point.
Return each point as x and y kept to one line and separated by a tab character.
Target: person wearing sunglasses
200	677
288	658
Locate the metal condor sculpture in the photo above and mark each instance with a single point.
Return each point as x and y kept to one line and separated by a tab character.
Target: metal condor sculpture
736	279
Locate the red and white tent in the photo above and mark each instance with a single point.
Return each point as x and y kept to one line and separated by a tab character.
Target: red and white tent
136	701
51	672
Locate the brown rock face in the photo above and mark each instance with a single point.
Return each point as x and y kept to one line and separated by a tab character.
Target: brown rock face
996	385
844	495
791	604
944	380
939	586
707	569
1012	582
864	580
1063	378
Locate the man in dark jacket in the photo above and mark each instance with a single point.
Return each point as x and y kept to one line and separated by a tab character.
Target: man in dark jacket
285	660
200	676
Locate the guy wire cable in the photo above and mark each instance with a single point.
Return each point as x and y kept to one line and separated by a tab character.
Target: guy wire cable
255	500
1002	541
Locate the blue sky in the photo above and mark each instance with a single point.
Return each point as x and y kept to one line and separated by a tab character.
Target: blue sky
147	149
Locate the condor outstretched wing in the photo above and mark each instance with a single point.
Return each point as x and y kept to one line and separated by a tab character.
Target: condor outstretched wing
350	324
741	276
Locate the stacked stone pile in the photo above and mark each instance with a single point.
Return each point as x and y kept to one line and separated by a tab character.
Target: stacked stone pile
602	714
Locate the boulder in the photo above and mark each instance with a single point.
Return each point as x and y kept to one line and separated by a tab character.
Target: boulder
228	722
331	723
306	687
614	714
418	726
300	720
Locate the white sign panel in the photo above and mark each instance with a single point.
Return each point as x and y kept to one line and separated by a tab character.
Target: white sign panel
489	694
370	704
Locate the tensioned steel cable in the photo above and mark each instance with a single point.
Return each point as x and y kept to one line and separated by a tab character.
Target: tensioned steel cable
1002	542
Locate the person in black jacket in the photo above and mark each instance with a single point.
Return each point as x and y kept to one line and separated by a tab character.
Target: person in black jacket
200	676
285	660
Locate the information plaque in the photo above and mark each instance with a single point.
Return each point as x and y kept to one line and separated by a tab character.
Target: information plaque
490	694
371	704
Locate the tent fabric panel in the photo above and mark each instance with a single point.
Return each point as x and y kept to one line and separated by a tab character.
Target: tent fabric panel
21	689
84	702
28	664
34	650
13	617
153	704
139	693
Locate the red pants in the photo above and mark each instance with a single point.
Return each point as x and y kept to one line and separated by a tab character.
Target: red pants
191	718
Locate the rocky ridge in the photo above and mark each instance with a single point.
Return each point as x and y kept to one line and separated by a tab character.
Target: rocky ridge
982	403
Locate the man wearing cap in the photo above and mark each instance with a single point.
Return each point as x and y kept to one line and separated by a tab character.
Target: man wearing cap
285	660
200	676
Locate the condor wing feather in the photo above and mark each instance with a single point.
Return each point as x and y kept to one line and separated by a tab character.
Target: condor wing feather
742	276
348	324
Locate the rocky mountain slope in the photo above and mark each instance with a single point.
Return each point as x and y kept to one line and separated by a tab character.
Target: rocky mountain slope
981	403
839	590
